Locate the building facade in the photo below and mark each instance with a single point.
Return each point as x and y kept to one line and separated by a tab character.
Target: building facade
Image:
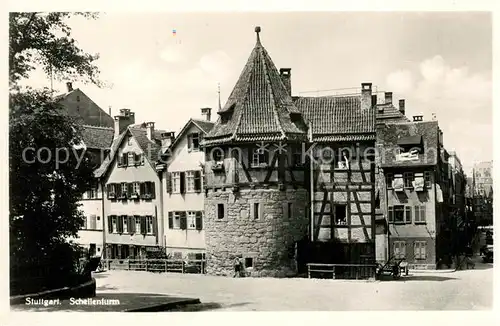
133	211
183	198
256	191
413	184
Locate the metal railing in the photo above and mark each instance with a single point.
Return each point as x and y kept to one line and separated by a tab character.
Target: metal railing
342	271
192	266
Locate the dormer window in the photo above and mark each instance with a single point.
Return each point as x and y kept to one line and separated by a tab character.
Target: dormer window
194	142
260	157
409	148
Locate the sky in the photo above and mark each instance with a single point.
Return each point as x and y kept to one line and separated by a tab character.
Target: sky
439	62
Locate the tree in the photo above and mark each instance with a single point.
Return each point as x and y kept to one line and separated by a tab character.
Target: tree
47	173
44	40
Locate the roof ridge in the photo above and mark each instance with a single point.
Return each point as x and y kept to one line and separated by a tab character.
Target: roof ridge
271	93
247	90
201	120
97	127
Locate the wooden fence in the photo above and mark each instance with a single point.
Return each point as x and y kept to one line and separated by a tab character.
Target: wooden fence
157	265
341	271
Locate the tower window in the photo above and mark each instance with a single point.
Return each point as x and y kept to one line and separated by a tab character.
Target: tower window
221	211
340	214
248	262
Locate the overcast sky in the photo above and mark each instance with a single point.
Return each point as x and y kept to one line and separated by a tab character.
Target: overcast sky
439	62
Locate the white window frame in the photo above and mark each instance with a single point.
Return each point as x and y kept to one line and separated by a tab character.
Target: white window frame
130	158
191	220
401	254
149	224
125	224
136	186
420	209
124	186
420	245
256	156
176	182
189	181
406	176
137	224
191	137
176	220
114	223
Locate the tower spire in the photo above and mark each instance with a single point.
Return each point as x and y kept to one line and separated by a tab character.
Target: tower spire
257	30
218	91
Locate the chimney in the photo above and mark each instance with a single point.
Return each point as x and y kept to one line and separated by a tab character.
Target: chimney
110	110
167	138
286	77
207	112
402	106
418	118
366	96
69	86
388	98
150	129
122	121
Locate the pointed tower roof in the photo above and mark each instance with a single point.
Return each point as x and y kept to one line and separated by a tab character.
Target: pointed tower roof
259	107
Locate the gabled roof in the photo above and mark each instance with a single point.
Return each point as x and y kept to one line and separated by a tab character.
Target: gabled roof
151	149
259	105
337	118
203	125
390	112
97	137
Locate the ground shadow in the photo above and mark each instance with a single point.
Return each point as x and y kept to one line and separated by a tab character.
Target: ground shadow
208	306
435	278
478	266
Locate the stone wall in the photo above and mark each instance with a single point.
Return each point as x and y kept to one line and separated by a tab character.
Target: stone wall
269	240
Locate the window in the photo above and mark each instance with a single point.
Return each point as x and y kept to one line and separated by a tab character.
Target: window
419	214
93	222
194	142
124	188
288	213
218	155
399	214
136	188
137	224
248	262
129	141
221	211
191	220
260	157
125	223
256	210
420	249
176	182
84	227
428	179
92	193
399	249
148	190
131	159
190	181
149	224
123	160
408	178
388	180
78	98
408	214
114	224
297	157
340	215
177	220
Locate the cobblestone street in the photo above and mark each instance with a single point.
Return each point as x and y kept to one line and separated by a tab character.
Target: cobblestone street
461	290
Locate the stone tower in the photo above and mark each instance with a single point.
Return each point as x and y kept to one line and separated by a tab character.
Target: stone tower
255	174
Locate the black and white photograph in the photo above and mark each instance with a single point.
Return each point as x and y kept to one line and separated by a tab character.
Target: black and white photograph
219	161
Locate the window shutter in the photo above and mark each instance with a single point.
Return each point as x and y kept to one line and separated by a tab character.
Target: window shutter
422	214
169	182
199	221
183	182
110	224
130	188
109	189
170	220
131	225
403	249
197	181
190	142
417	213
142	189
85	222
153	190
183	221
143	224
118	190
93	221
119	224
125	159
423	250
408	214
391	214
155	225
